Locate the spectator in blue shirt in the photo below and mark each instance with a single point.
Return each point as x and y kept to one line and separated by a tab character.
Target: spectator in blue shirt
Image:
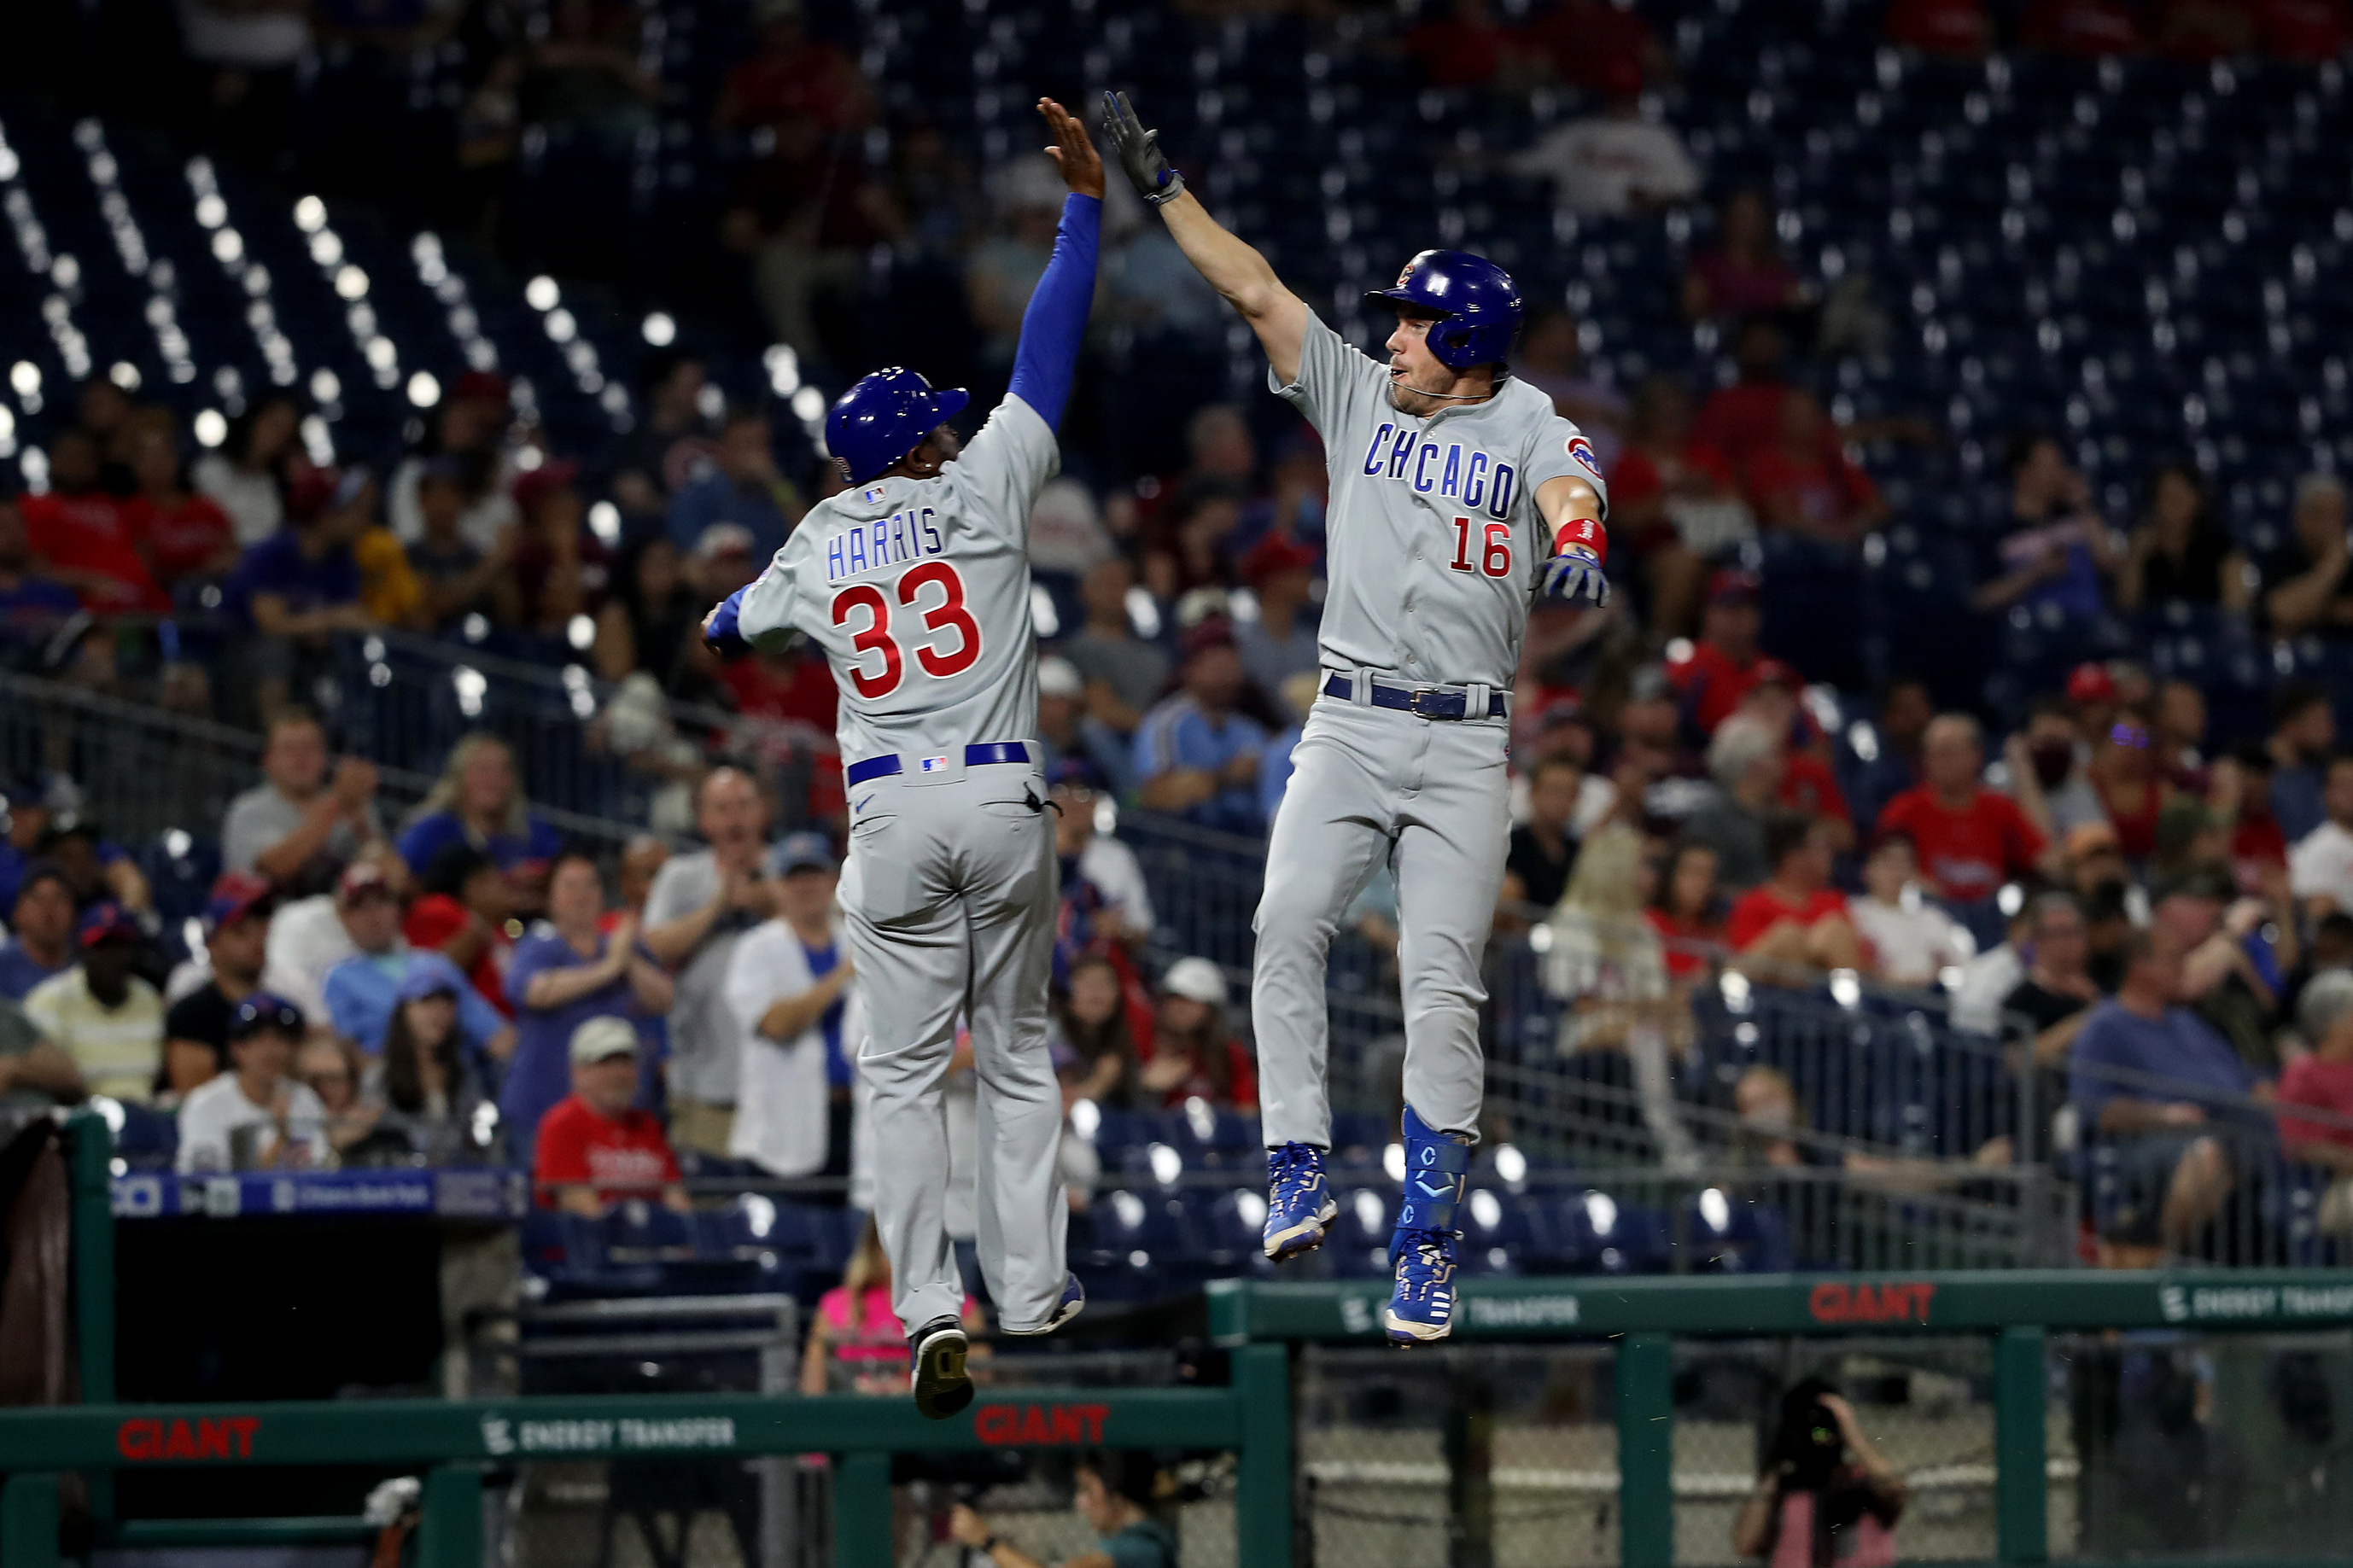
2157	1083
32	607
34	829
1196	756
302	585
44	921
743	487
564	974
363	991
478	801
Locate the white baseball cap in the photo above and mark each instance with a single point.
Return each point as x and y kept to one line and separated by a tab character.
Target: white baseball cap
1057	677
601	1038
1197	980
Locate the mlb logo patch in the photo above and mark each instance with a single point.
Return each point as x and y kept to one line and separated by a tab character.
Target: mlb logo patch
1581	450
872	494
933	764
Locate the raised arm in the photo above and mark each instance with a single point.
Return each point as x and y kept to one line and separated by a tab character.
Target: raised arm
1055	322
1277	315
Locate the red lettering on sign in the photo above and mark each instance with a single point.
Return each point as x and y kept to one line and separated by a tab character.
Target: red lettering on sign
1902	1302
1040	1425
141	1439
136	1439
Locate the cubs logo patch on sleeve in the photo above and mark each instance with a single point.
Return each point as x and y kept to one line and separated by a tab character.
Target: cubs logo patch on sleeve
1581	450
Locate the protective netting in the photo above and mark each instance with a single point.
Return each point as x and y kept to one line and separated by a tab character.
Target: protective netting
2167	1443
1505	1455
1924	1403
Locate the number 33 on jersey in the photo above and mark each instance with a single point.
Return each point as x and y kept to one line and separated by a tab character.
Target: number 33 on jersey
918	591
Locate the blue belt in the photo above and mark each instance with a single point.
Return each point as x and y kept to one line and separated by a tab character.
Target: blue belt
974	757
1424	703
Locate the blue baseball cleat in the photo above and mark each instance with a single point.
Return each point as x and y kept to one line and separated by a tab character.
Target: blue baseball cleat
1437	1168
1298	1201
1072	1301
1421	1309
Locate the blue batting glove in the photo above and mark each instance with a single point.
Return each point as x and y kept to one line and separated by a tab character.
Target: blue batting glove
1575	573
719	633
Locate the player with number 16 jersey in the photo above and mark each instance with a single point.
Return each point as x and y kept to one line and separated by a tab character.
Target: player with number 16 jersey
915	582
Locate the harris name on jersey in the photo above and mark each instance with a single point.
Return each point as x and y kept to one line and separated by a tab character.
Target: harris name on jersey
895	540
1458	472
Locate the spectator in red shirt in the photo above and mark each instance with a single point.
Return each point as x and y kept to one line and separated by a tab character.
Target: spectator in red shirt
1590	44
594	1151
2322	1080
560	569
1743	273
1722	667
1970	838
1687	911
2086	29
1808	786
464	914
80	532
1954	29
1804	483
2258	843
1462	48
1673	500
2125	776
1795	919
2308	32
793	75
185	537
1189	1055
1740	420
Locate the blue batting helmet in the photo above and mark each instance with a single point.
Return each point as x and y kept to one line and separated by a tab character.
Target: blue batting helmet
1476	300
884	417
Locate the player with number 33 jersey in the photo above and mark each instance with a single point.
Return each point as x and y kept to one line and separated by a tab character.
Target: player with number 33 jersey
915	582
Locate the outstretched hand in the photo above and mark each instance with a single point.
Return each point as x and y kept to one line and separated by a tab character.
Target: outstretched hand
1073	150
1148	169
1575	573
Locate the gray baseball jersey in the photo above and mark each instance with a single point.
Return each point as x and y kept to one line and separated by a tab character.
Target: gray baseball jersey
1434	541
1434	544
918	590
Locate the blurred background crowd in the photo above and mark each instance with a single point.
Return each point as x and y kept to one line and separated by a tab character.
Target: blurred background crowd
395	383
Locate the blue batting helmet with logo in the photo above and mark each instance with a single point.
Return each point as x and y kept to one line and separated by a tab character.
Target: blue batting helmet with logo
1478	304
884	417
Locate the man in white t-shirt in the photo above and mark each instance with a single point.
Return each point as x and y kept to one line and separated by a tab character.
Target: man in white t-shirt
283	1124
1618	161
2320	867
311	936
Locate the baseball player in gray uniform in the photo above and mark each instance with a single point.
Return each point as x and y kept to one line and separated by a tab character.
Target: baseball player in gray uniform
915	582
1457	494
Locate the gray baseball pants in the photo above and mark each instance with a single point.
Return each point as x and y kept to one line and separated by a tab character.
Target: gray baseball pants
949	896
1432	797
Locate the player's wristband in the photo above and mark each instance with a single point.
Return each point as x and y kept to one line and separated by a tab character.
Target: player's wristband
1586	534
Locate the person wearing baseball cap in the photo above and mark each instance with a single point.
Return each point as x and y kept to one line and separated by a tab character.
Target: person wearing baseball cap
42	917
1193	1055
1196	755
1722	667
109	1020
595	1149
257	1116
237	934
1281	643
308	936
789	985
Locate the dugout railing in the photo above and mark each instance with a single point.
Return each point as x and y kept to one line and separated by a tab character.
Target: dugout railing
1641	1332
